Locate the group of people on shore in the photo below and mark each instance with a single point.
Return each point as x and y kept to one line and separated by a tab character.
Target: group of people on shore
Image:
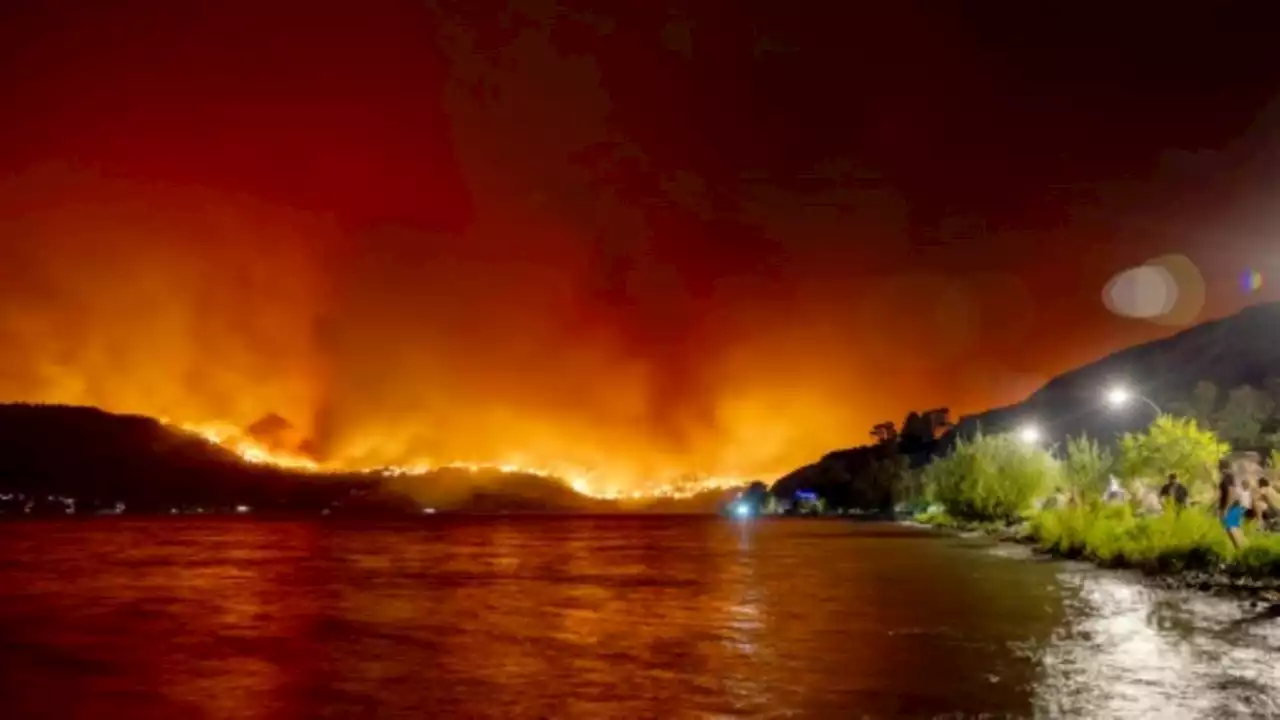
1239	501
1244	500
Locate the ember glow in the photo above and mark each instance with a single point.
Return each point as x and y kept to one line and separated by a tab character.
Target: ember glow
227	436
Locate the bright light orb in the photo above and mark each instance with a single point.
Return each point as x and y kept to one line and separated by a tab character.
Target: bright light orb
1029	434
1118	397
742	510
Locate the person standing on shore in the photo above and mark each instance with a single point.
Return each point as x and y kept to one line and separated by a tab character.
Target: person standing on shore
1267	504
1232	501
1175	491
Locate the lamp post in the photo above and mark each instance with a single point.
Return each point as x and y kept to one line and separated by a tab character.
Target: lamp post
1118	397
1029	434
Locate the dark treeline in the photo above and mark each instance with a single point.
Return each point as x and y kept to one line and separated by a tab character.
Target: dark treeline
871	477
101	459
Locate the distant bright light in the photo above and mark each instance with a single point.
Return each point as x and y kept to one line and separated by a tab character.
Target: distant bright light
1029	434
1118	397
742	510
242	509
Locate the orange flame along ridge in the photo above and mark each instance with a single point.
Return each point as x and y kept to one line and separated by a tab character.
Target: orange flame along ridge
231	438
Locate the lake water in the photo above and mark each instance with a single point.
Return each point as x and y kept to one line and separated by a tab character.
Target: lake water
597	617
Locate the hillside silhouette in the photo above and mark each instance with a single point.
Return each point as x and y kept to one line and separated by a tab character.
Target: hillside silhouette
100	459
1236	352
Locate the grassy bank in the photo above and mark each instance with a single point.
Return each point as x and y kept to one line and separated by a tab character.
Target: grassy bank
1173	543
997	485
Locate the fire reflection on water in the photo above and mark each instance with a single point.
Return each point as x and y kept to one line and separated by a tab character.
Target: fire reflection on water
597	617
745	618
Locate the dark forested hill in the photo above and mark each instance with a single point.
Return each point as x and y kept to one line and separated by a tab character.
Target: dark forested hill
99	457
1239	350
1225	373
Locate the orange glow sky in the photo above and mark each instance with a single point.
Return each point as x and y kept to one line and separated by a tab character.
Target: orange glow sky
636	239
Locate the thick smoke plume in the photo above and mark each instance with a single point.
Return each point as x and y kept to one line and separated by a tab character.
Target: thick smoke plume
514	232
392	345
395	244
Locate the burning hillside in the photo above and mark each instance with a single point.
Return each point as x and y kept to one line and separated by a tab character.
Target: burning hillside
260	444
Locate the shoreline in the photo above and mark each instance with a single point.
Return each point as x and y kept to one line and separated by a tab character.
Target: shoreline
1219	582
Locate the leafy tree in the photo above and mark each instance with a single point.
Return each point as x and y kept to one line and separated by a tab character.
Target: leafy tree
1087	467
1201	406
1272	387
771	505
939	420
756	495
1173	444
885	432
991	477
1204	401
907	485
887	476
1271	427
916	435
1243	417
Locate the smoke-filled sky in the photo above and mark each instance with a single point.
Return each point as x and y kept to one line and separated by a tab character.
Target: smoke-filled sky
719	237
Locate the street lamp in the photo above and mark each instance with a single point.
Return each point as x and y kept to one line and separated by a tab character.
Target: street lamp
1119	396
1029	434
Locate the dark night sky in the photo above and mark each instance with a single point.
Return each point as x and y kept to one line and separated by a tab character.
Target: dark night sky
721	236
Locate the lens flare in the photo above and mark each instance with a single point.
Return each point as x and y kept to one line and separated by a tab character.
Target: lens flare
1252	281
1167	290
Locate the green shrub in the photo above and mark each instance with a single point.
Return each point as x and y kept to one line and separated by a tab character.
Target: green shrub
1087	468
1060	531
990	478
1259	558
1173	445
1170	542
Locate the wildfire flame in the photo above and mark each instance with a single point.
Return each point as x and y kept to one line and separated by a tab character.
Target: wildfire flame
229	437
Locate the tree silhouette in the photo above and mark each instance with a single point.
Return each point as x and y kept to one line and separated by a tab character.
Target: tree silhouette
1242	418
939	421
1200	406
916	435
885	432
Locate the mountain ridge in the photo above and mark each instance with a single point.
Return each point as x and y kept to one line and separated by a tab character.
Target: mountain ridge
1231	351
1238	349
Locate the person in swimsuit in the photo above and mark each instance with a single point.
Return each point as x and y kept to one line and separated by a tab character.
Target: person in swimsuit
1231	505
